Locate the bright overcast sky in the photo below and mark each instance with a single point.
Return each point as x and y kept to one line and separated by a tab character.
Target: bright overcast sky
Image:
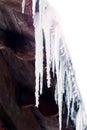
73	15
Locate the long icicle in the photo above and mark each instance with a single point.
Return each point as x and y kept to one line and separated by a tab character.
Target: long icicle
58	65
38	51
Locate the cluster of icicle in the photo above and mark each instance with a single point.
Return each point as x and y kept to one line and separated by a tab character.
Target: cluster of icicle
58	59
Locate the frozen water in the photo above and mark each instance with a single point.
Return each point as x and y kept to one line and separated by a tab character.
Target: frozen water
58	59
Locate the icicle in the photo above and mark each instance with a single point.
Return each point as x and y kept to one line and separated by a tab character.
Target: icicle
69	97
39	51
59	73
46	28
79	120
60	97
68	85
47	36
68	94
23	5
33	7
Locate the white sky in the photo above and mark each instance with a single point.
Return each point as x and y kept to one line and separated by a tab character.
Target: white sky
73	15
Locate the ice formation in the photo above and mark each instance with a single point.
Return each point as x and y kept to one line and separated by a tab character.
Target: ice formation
58	59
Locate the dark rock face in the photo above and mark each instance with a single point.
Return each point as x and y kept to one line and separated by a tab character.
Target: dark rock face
17	74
